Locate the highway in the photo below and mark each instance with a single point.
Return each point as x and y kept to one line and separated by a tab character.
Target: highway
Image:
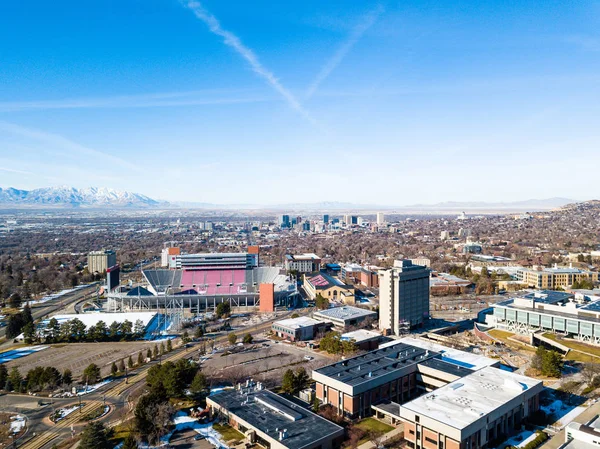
41	434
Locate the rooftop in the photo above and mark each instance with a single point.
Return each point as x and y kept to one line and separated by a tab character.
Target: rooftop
360	335
324	281
470	398
271	413
456	357
297	323
366	367
344	313
305	256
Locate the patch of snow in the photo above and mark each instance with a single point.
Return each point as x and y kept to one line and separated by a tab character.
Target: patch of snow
183	421
20	352
17	423
56	295
520	440
562	412
62	413
90	388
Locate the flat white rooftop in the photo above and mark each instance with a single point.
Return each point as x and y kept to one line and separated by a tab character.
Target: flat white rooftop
360	335
297	323
470	398
344	313
457	357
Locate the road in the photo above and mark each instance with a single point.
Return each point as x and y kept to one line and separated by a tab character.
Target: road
41	434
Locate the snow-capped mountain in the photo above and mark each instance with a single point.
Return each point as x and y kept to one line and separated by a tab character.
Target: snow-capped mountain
71	197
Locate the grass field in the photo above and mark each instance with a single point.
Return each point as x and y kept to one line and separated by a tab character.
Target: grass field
228	433
576	346
368	424
500	334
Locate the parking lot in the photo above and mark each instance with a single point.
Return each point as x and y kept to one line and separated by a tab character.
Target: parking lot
264	361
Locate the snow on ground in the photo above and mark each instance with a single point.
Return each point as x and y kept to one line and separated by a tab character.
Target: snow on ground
90	388
17	423
562	412
183	421
62	413
56	295
520	440
20	352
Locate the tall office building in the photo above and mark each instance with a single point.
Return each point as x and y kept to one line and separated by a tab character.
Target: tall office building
100	261
284	221
326	219
403	297
380	218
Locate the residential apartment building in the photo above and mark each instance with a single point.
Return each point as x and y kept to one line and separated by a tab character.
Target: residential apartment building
100	261
403	297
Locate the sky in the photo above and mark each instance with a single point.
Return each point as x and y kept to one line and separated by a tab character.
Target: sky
274	102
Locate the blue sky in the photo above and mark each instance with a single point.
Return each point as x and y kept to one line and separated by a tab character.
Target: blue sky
389	102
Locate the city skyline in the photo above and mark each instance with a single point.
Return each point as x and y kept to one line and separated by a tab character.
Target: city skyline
451	102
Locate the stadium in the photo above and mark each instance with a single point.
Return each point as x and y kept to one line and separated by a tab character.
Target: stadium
200	282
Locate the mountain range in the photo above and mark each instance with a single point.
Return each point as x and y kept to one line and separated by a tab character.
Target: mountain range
65	196
103	197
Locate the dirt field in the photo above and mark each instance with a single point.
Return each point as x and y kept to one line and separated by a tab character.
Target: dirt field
77	356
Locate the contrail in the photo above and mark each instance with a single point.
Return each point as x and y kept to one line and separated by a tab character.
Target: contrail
63	142
369	19
234	42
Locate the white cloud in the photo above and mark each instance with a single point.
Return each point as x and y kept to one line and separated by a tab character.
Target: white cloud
231	40
368	20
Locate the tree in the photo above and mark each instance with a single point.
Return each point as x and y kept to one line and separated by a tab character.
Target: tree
29	333
129	362
315	404
95	436
53	329
198	333
223	309
232	338
152	415
126	327
185	337
91	374
295	315
139	328
590	371
67	377
3	375
162	348
199	383
15	379
321	302
248	338
129	442
122	366
547	362
169	345
148	353
140	359
287	384
15	325
301	380
155	352
375	436
14	301
114	369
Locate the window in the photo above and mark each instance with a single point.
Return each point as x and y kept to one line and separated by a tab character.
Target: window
430	440
417	418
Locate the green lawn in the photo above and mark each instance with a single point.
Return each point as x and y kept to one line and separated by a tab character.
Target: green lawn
372	424
576	346
228	433
500	334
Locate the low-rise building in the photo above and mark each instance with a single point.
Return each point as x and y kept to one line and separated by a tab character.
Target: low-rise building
329	287
300	329
346	316
447	284
365	340
582	436
303	263
476	411
272	421
554	278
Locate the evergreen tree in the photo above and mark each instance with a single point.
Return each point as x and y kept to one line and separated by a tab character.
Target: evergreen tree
232	338
129	442
122	366
287	384
15	301
91	374
129	362
315	404
15	379
113	368
140	358
155	352
248	338
148	354
3	375
67	377
198	333
162	348
95	436
199	383
169	345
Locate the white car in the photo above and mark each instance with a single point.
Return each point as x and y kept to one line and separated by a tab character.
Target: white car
307	357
